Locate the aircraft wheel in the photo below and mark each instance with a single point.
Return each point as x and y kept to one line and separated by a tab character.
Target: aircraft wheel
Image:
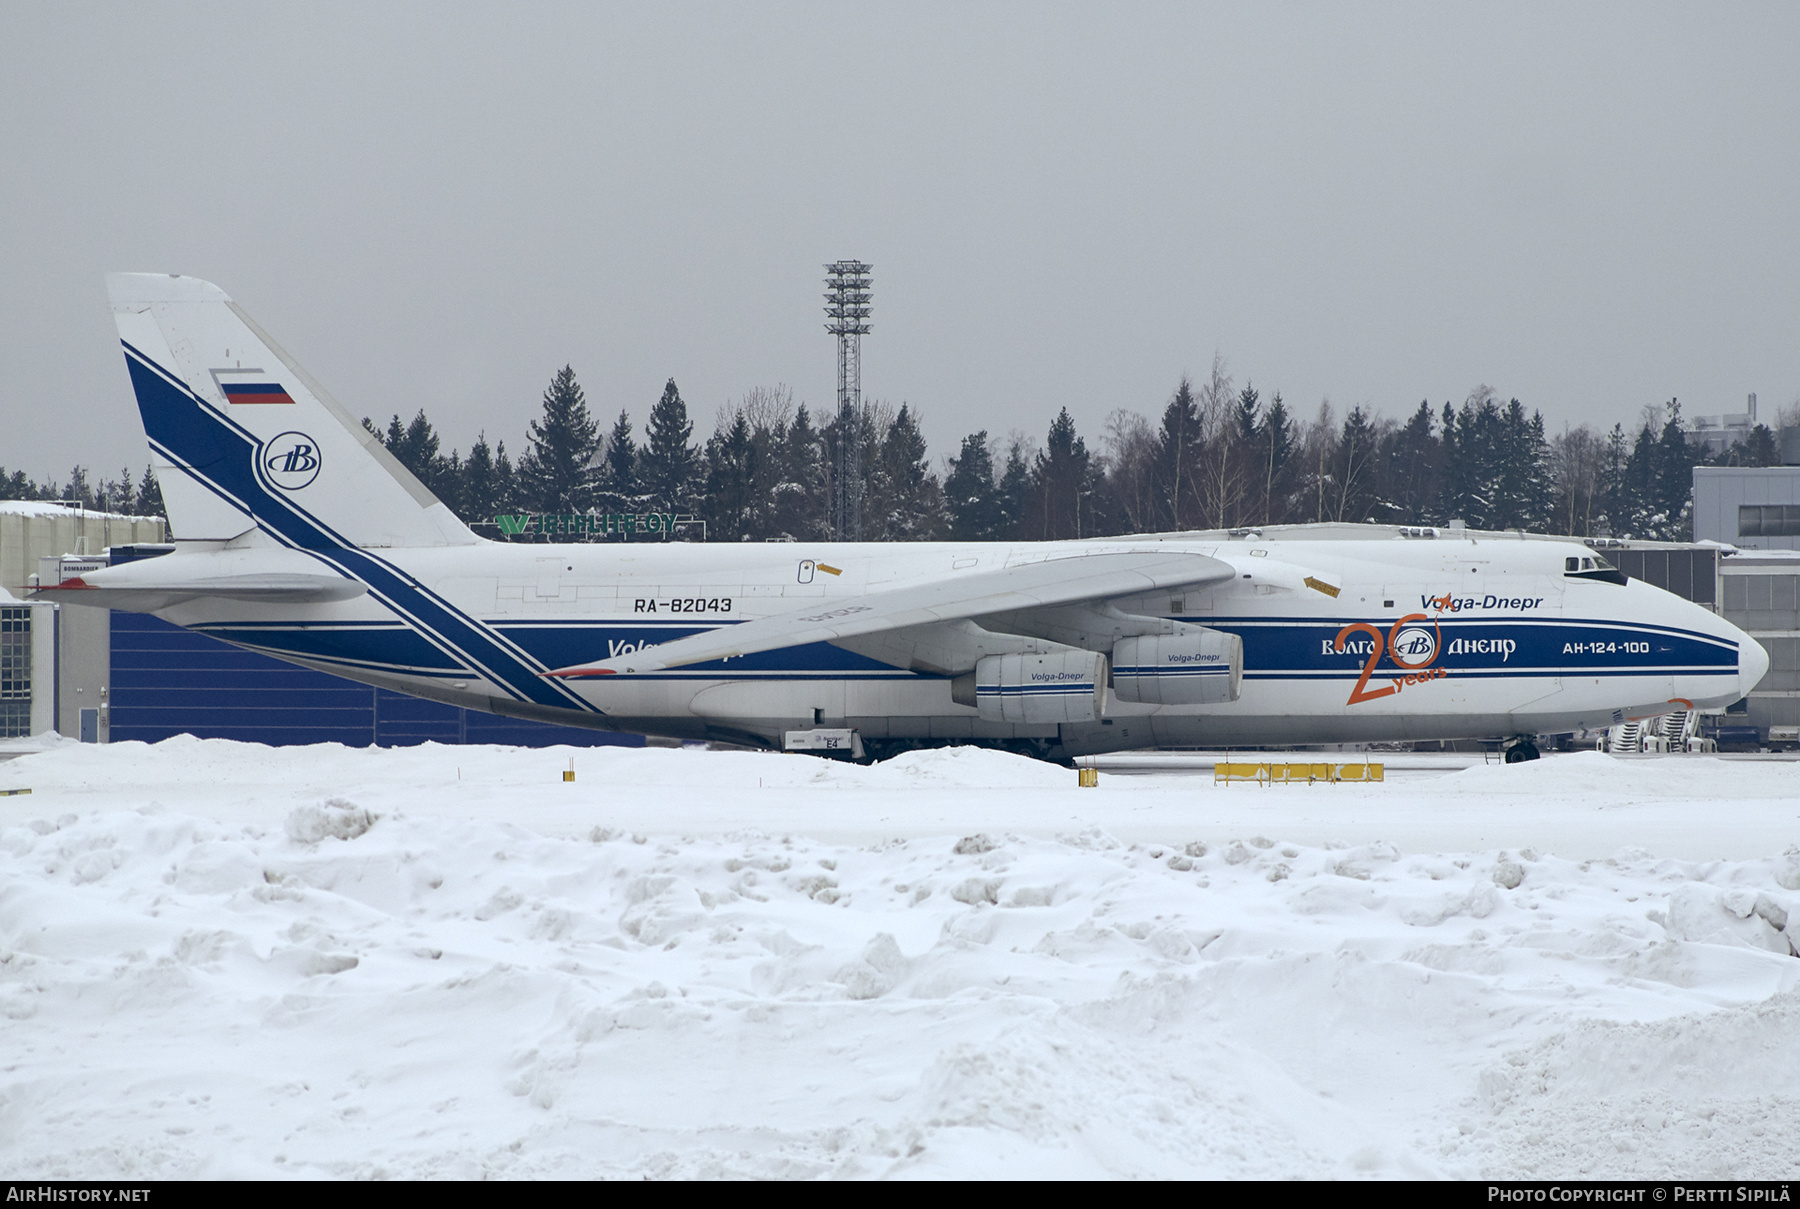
1520	752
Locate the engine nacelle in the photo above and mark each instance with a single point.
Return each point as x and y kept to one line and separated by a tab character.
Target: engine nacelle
1197	667
1067	686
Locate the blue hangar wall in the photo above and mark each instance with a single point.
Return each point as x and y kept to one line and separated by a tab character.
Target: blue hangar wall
168	681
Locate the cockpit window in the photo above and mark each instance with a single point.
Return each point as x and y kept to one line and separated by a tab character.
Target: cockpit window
1592	566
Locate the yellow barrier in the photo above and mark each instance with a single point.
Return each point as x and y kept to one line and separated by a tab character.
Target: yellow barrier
1291	774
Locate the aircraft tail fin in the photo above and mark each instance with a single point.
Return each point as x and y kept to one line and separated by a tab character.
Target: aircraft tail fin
242	437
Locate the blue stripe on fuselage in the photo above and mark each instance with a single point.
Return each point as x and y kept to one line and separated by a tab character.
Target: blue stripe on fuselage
568	645
391	646
1288	648
1305	648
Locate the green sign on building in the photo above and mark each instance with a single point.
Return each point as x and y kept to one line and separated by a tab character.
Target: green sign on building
586	525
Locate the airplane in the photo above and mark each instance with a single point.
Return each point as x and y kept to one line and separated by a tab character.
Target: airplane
298	535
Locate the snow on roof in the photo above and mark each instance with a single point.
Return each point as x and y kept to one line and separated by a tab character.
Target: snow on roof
53	508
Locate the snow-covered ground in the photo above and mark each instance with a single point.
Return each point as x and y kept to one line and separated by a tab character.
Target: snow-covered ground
224	960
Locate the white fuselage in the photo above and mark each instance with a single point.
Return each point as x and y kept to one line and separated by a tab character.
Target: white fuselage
1492	638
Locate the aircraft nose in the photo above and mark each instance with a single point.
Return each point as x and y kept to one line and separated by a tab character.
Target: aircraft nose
1753	662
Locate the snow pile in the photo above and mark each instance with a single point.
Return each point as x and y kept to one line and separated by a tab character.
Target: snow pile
336	818
387	977
1593	775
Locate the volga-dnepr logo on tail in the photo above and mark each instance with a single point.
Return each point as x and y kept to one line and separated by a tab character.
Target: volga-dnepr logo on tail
291	460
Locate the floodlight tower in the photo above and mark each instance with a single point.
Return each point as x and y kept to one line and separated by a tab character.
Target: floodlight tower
847	312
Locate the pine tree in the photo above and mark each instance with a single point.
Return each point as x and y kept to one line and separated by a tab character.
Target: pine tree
620	489
115	495
447	483
1274	446
480	493
394	440
1473	448
668	464
149	495
422	444
1448	459
18	486
1352	494
1241	494
1522	486
1675	462
1414	468
1248	404
1539	488
1611	492
731	459
506	481
1642	519
905	501
971	493
557	473
1760	449
1181	442
1015	484
415	446
800	504
1059	479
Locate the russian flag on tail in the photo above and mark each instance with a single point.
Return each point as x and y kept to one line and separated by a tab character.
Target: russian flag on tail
255	392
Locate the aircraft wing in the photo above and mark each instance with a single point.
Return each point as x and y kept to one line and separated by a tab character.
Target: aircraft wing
1057	581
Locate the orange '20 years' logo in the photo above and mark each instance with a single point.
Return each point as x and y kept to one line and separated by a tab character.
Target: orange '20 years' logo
1413	648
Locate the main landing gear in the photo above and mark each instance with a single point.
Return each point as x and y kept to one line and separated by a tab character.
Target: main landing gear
1521	751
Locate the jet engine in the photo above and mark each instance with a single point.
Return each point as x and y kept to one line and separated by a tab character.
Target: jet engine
1064	686
1195	667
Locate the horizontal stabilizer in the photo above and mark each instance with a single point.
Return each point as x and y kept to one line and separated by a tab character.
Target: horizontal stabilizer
159	583
282	589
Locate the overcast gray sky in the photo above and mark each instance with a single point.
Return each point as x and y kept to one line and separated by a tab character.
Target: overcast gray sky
1589	206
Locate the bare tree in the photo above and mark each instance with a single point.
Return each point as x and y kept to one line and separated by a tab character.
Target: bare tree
767	408
1220	486
1577	457
1788	417
1318	444
1131	449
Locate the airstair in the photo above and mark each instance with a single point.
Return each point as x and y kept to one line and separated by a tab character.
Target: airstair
1625	739
1673	732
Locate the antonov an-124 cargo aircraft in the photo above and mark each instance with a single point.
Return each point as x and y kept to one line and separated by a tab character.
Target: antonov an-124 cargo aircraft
298	535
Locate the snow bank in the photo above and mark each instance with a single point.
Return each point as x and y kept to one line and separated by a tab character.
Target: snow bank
1578	806
1592	775
360	983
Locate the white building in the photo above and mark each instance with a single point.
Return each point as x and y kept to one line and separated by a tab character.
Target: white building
55	662
1719	433
1751	507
